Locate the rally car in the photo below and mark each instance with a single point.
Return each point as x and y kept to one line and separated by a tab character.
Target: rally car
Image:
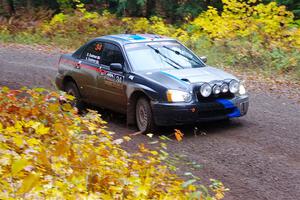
155	80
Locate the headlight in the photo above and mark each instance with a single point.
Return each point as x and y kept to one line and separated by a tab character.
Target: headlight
205	90
178	96
234	86
224	88
216	89
242	90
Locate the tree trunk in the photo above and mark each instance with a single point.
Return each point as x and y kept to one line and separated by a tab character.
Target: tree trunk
144	9
150	7
29	4
95	3
10	8
159	8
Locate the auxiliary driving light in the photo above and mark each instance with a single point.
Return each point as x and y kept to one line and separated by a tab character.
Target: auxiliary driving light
205	90
234	86
216	89
224	88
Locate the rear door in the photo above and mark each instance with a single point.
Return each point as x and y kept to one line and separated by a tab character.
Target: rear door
111	83
88	64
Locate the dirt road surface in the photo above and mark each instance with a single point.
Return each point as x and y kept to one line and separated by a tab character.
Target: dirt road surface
257	156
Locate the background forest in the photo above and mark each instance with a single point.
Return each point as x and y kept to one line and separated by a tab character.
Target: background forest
172	10
245	34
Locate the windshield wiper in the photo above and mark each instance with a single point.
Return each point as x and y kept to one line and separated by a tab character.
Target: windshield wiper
166	57
178	53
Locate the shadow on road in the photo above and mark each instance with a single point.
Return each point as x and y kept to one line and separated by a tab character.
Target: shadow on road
117	123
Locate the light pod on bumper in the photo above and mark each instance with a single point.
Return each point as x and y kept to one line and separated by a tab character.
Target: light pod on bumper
216	89
205	90
224	88
234	86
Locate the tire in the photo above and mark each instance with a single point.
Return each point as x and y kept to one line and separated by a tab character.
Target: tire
143	115
71	89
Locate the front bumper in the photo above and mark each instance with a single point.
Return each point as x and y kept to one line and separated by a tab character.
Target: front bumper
167	114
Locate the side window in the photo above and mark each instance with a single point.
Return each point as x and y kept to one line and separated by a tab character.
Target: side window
93	53
111	54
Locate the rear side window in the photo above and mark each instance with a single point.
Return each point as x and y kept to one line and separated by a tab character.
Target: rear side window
111	54
93	53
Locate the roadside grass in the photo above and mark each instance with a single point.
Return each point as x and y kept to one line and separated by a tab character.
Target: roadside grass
266	64
244	57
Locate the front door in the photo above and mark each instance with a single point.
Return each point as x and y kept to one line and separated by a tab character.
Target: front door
111	83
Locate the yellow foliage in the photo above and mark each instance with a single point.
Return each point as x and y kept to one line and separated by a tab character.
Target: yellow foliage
270	23
58	154
178	135
140	25
30	181
154	25
58	18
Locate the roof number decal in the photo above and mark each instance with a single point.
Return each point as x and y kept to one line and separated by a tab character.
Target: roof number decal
137	37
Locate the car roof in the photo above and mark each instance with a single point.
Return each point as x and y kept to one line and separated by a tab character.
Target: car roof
135	38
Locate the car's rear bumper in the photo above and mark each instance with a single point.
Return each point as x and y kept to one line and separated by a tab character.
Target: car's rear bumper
166	114
59	81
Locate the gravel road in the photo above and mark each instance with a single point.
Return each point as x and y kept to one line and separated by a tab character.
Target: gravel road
257	156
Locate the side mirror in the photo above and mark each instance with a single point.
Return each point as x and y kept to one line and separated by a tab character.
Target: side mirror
203	58
116	67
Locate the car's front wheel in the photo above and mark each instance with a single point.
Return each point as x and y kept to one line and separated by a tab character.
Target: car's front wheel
144	117
71	89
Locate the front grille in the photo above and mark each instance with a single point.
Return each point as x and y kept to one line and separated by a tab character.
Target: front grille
213	97
215	113
210	108
213	109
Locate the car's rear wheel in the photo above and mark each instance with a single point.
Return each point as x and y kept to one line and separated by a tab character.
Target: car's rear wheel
144	117
71	89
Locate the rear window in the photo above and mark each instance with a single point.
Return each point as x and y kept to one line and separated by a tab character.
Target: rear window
93	53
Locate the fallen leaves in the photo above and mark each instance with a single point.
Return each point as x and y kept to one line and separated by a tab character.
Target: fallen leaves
178	135
29	182
56	154
18	165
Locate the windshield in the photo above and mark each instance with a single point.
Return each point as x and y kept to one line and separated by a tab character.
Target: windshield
161	56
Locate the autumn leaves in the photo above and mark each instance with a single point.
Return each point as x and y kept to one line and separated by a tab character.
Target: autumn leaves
48	151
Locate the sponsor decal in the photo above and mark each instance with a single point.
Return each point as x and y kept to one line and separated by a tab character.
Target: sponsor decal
110	78
93	58
172	76
98	47
137	37
101	71
131	77
114	80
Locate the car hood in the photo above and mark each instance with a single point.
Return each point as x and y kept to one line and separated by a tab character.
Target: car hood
184	79
197	75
